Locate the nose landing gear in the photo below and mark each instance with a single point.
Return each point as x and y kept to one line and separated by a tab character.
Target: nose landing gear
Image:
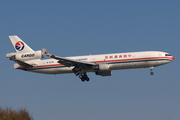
151	69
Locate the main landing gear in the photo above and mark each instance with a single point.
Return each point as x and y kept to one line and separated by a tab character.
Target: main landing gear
81	72
151	69
84	77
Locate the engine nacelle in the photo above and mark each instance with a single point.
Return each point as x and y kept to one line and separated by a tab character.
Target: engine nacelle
25	56
102	69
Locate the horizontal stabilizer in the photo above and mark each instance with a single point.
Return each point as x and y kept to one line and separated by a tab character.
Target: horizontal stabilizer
23	63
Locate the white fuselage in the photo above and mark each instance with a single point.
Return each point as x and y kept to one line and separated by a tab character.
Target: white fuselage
115	61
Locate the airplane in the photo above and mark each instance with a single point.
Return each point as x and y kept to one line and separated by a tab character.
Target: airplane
29	60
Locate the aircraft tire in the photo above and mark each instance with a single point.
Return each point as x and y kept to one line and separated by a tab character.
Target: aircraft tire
82	79
152	73
87	79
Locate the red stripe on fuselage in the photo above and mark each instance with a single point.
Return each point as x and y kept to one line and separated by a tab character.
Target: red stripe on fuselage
105	61
120	60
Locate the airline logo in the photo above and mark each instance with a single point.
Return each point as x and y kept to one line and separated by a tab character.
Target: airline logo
118	56
19	46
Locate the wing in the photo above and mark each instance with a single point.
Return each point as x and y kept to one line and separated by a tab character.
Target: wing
23	63
69	62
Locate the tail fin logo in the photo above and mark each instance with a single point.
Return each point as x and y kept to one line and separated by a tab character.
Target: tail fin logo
19	46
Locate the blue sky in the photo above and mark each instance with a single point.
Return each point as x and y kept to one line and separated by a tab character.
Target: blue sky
70	28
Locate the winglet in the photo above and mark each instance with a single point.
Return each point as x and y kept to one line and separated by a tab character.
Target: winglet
46	52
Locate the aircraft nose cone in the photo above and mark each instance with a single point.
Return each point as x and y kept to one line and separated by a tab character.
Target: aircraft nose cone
172	58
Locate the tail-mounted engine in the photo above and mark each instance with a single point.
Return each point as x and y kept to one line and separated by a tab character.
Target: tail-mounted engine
26	55
102	69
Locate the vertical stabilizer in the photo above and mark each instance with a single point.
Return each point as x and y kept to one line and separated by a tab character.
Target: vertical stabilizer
19	45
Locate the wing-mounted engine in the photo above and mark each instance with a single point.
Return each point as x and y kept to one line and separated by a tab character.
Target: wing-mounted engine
25	56
102	69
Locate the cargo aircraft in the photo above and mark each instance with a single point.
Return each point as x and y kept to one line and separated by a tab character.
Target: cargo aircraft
30	60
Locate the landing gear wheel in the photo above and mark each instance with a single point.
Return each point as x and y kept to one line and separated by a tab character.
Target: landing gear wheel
87	79
82	79
152	73
151	69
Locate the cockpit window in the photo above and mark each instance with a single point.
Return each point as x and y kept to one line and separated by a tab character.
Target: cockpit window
167	55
